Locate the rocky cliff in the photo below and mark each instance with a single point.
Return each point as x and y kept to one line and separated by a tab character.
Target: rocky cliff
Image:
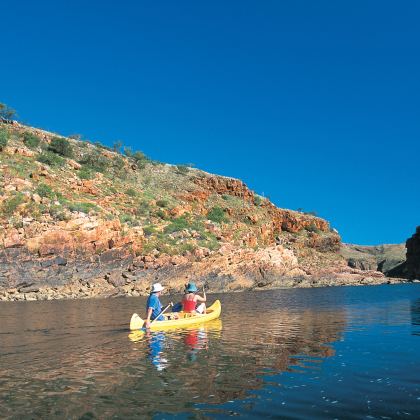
383	258
410	269
78	219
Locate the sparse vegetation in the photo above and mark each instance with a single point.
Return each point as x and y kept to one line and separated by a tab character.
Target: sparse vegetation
4	139
162	203
177	224
131	192
312	228
6	112
9	206
44	190
83	207
95	161
257	200
182	169
217	214
31	140
86	173
50	158
61	146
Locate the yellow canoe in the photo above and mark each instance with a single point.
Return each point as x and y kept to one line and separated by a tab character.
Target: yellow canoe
184	319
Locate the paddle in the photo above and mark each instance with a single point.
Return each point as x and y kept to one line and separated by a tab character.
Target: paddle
136	322
162	311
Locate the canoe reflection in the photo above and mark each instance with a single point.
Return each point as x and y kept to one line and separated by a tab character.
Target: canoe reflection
195	339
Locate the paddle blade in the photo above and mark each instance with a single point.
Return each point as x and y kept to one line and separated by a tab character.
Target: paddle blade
136	322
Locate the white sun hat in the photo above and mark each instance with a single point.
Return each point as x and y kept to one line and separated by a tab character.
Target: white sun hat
157	287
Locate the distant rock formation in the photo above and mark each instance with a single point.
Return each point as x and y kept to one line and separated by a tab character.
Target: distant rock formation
383	258
410	269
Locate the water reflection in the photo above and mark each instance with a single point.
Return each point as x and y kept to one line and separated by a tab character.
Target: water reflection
68	359
415	316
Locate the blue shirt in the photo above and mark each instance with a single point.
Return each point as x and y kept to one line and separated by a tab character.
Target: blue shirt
154	303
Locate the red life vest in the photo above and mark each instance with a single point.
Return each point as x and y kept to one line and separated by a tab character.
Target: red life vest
188	305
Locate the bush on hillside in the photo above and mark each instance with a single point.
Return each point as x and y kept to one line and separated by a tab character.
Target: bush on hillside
177	224
95	161
10	206
4	139
44	190
217	214
31	140
50	158
312	228
82	207
86	173
162	203
143	209
131	192
61	146
182	169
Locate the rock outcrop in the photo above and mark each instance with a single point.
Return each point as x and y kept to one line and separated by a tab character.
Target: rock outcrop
90	222
383	258
410	269
413	256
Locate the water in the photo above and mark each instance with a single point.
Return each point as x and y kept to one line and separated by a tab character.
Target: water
348	352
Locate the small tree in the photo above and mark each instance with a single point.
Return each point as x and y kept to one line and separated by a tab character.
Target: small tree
31	140
128	151
117	146
61	146
6	112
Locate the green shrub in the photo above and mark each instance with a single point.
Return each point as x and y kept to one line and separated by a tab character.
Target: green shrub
118	163
312	228
95	161
131	192
161	214
182	169
61	146
128	151
143	209
4	139
162	203
149	230
217	214
44	190
177	224
82	207
50	159
57	213
129	219
31	140
9	206
139	156
86	173
257	200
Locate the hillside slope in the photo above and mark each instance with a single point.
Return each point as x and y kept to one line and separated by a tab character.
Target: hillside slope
80	220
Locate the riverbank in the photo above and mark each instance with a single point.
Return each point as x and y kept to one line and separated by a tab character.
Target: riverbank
234	271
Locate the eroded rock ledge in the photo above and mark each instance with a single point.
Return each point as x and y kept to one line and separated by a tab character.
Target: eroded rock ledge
228	270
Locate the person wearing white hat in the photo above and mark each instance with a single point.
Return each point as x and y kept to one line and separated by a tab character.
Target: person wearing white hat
153	306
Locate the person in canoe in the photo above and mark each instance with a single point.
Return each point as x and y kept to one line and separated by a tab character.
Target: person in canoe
191	299
153	306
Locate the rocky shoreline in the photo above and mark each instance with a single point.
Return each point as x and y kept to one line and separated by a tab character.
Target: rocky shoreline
230	270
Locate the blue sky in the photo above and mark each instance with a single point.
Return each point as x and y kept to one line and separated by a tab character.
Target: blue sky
314	104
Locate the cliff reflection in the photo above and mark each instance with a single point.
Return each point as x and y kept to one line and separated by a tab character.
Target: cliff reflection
415	316
68	358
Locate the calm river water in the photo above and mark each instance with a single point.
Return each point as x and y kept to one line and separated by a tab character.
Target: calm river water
345	352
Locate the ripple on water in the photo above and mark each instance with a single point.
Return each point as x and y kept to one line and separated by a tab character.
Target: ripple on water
311	353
